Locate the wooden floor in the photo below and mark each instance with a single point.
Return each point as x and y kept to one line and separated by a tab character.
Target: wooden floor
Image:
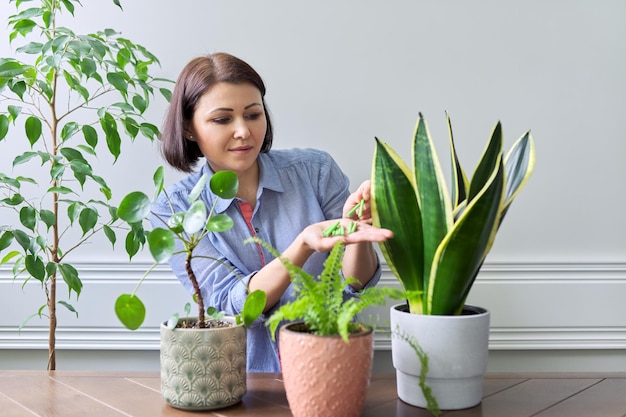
91	394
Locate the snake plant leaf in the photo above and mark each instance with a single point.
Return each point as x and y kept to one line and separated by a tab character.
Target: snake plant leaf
460	183
433	196
519	164
462	252
488	162
395	207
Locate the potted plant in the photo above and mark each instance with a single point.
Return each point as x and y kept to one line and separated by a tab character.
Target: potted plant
325	355
72	98
440	242
203	360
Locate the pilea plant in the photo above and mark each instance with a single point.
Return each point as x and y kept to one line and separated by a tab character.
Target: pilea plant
70	92
189	228
320	303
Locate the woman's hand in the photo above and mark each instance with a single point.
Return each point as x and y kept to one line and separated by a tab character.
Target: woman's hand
364	213
313	235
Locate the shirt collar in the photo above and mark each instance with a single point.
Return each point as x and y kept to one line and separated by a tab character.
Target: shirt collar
269	178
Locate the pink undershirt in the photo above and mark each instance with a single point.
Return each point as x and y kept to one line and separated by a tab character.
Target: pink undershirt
246	212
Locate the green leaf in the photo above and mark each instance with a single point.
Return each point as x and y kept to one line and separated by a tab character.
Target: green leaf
11	69
220	223
33	129
175	222
253	307
5	240
197	189
28	217
73	210
139	103
70	276
134	207
118	80
88	219
14	200
195	217
72	154
149	130
68	306
395	207
23	239
69	130
132	243
4	126
35	267
110	234
88	67
48	217
432	194
161	243
109	125
462	252
130	311
224	184
23	158
91	135
158	180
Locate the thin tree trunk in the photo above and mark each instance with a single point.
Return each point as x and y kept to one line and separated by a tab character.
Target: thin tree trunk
196	288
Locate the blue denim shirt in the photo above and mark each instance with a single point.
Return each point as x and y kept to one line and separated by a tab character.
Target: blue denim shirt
297	187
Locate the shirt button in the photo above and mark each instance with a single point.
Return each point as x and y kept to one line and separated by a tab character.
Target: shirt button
256	230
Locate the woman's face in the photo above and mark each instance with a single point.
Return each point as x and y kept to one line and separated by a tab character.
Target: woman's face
229	126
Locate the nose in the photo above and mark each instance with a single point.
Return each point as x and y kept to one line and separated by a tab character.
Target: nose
241	129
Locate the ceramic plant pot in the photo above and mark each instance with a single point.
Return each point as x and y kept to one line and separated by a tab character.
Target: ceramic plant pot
323	375
203	369
457	348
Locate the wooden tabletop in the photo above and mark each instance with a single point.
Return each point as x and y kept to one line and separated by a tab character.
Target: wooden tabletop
137	394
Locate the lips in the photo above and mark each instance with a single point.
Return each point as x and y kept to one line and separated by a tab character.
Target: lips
241	149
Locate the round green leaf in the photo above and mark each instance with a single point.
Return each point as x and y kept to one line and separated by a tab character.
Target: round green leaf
219	223
195	218
134	207
253	307
161	243
130	311
175	223
224	184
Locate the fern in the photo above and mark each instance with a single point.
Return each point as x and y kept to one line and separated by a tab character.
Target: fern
319	303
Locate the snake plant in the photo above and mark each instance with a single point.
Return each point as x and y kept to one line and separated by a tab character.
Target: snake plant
441	238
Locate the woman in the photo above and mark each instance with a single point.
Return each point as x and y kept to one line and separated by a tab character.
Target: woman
286	197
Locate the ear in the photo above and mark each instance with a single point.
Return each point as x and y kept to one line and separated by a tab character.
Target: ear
189	135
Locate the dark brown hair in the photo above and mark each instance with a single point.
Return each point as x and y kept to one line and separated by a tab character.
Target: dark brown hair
198	76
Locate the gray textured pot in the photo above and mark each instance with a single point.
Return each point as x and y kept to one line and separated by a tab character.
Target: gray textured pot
203	369
457	347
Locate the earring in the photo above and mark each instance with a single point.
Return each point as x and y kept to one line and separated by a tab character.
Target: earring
190	137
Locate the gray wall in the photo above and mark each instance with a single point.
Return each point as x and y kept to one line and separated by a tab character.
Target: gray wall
341	72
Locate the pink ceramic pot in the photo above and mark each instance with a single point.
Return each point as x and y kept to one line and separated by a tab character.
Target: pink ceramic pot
324	376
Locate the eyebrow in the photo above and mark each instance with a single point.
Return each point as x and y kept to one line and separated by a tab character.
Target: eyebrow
229	109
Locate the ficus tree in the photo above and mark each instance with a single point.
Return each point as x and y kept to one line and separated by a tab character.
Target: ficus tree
71	98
